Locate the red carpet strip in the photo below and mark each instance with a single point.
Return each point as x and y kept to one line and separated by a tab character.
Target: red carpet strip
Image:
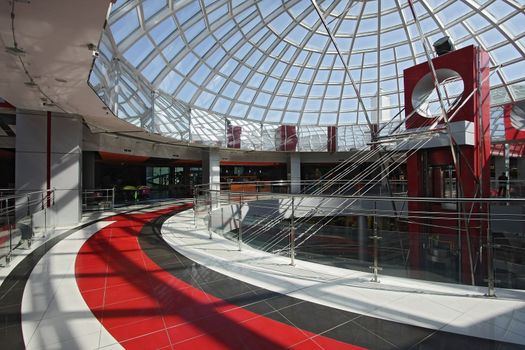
145	307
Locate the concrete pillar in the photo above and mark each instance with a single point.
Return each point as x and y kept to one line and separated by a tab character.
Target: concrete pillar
211	169
294	172
48	156
88	170
211	172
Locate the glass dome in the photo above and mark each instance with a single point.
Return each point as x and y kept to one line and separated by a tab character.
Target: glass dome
273	62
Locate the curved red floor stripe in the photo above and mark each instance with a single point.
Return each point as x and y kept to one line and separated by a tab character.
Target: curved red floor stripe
143	306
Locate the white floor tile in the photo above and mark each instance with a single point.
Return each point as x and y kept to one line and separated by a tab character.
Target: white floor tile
53	310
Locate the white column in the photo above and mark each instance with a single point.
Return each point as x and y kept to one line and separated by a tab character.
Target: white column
294	172
211	172
62	162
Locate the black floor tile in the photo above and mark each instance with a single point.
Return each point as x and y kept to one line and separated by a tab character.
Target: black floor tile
352	333
261	308
158	251
12	338
402	335
202	275
10	315
227	288
276	316
316	318
281	301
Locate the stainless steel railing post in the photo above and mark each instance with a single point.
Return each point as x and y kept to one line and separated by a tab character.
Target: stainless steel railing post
45	219
491	287
239	236
209	212
8	256
292	234
375	267
195	210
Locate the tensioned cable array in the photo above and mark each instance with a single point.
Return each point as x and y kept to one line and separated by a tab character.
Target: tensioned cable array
336	175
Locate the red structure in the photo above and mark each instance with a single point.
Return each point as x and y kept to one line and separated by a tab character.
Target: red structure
442	238
286	138
513	133
331	143
234	136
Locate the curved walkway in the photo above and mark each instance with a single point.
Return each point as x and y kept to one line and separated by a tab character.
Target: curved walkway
404	313
116	284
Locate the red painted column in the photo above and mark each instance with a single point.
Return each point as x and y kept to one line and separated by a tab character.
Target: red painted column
473	167
331	144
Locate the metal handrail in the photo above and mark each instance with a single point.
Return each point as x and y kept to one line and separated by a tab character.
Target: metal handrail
23	194
278	239
205	188
20	216
98	199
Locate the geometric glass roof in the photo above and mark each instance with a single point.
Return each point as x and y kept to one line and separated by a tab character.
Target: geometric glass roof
273	62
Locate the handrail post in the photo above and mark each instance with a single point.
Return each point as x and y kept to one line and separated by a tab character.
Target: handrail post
239	237
292	234
113	198
375	268
8	256
45	221
491	288
209	212
194	209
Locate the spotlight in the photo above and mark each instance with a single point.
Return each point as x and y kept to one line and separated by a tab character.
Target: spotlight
93	48
444	46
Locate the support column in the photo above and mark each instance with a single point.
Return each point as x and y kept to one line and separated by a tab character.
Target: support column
88	170
48	156
294	172
211	171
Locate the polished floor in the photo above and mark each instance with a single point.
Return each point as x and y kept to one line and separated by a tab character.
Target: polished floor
151	280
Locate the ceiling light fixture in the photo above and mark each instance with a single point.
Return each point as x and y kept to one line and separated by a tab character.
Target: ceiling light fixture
443	46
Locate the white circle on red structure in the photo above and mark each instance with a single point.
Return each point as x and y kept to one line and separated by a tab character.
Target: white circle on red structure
425	97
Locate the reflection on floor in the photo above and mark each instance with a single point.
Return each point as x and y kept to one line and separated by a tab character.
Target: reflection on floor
117	284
